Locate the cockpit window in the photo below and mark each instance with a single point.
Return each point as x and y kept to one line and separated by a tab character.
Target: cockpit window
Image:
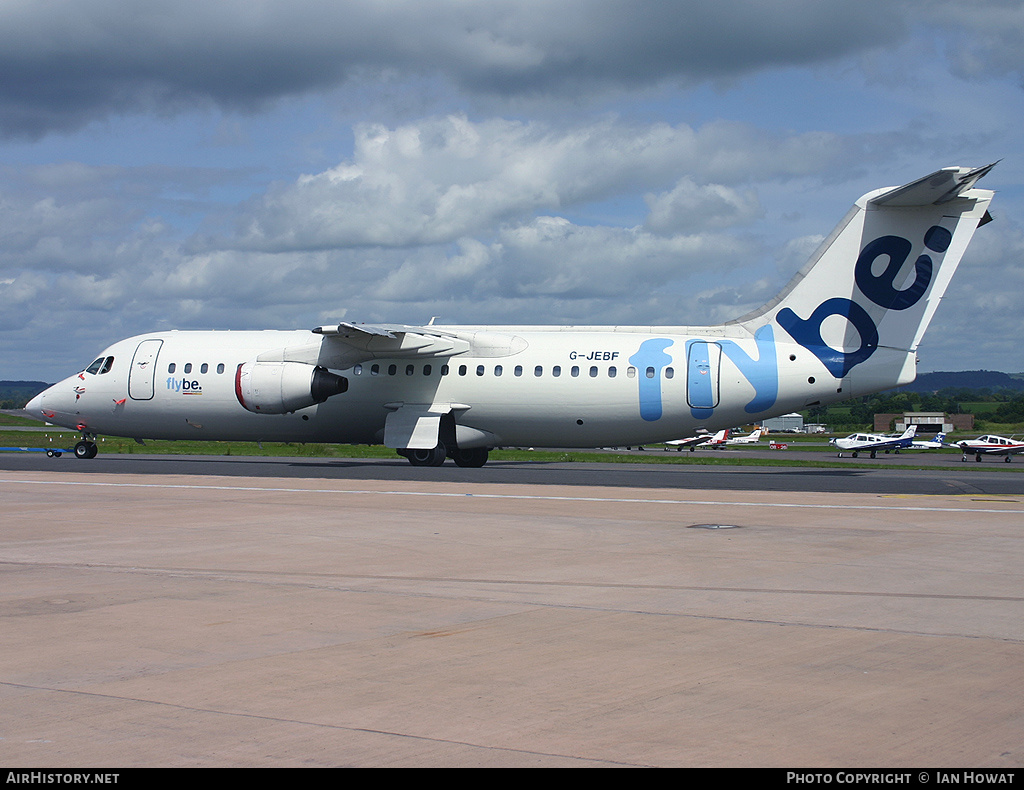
101	365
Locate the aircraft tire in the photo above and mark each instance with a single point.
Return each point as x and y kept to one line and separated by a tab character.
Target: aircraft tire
86	450
434	457
471	458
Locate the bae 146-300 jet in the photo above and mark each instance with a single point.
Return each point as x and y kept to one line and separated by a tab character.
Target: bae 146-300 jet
857	443
848	324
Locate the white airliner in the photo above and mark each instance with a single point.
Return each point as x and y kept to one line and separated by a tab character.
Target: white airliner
991	445
848	324
857	443
751	438
703	440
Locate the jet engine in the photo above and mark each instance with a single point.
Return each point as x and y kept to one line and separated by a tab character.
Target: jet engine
282	387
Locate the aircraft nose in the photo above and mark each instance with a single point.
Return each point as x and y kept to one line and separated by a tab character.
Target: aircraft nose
35	406
47	403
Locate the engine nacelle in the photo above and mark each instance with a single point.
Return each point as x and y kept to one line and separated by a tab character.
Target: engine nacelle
282	387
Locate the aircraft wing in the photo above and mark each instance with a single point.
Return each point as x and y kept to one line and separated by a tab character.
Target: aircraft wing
344	345
690	442
347	344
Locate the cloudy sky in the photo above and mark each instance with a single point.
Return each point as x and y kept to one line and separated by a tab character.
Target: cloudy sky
290	163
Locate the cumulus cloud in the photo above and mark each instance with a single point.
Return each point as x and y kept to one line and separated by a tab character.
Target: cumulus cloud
438	180
67	62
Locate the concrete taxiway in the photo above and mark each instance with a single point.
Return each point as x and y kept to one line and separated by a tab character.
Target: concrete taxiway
182	620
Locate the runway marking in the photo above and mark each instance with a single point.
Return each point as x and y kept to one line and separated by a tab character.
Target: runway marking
523	497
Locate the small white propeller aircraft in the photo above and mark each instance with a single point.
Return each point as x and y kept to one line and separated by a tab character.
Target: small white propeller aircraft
930	444
848	324
857	443
991	445
703	440
751	438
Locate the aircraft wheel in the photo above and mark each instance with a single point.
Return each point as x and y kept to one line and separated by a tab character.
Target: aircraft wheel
855	455
1007	459
86	449
872	453
471	458
433	457
978	458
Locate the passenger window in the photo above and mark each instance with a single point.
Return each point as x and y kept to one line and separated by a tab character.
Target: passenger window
220	368
670	373
204	368
556	371
479	370
409	370
392	370
612	372
519	370
426	370
188	367
171	368
497	370
593	372
630	372
575	371
357	370
444	370
375	370
650	373
538	371
462	370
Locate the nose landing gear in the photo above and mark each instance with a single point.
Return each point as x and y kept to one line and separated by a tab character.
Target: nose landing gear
86	448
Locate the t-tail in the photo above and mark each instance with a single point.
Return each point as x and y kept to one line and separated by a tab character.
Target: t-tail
864	300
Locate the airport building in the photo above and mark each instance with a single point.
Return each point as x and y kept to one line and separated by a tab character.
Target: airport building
790	423
927	422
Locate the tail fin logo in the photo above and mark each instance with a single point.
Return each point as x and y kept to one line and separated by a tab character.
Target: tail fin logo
879	288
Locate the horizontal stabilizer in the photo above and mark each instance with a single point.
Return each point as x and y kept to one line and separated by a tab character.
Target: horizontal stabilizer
941	186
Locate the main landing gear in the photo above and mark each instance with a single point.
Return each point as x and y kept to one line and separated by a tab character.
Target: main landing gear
473	458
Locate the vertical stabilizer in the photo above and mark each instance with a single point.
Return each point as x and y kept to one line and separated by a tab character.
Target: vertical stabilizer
864	300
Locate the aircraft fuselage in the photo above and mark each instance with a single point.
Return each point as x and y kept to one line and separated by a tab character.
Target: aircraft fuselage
571	389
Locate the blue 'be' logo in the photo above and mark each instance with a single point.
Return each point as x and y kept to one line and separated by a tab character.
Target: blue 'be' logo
879	288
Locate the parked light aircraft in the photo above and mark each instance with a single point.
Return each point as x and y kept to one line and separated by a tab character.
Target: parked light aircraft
752	438
930	444
703	440
871	443
991	445
848	324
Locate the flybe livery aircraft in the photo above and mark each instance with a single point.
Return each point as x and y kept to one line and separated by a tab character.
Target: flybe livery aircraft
848	324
